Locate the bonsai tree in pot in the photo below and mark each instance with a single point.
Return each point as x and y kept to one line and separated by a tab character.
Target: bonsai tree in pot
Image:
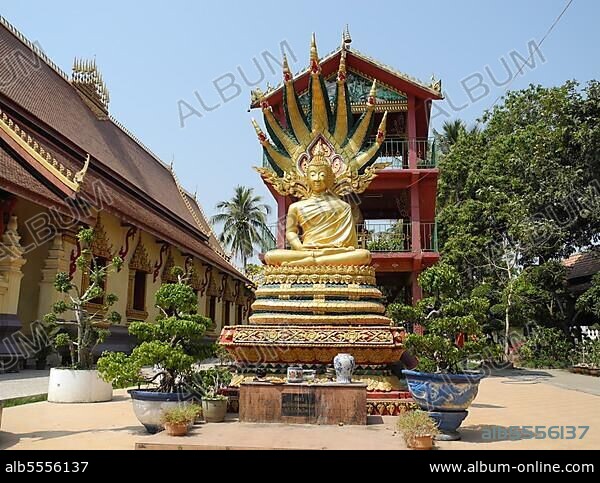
80	382
207	384
418	429
172	346
452	338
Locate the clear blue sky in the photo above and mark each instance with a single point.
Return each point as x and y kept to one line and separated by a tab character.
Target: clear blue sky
154	53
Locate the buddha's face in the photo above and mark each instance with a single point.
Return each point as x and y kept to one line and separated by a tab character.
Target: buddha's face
319	178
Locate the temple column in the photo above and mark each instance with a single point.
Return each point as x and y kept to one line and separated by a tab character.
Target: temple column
55	262
11	261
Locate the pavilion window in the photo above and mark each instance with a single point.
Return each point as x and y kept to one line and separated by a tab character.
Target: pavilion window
238	319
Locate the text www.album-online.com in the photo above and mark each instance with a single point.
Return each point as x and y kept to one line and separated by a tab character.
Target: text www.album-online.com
537	467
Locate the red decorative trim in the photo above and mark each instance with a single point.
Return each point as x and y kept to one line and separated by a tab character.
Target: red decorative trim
222	289
206	279
157	266
129	235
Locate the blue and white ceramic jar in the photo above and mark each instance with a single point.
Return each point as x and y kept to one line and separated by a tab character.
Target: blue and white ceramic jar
344	367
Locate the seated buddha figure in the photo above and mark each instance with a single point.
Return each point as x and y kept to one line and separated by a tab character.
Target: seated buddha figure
320	229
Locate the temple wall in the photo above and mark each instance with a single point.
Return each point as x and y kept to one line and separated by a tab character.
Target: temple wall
46	254
36	244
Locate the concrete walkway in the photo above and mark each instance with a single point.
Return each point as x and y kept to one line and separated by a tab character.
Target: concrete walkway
24	383
503	401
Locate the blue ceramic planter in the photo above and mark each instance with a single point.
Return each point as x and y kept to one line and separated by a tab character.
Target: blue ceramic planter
443	392
445	396
448	423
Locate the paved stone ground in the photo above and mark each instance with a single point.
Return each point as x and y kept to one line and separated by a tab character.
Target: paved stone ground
24	383
512	399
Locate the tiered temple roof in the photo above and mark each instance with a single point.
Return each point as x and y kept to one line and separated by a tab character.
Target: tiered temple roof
58	130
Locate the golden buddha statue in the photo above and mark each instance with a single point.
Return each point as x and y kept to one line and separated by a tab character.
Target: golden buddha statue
320	229
319	297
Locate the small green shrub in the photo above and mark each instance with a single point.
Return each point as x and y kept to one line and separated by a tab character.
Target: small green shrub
546	348
416	423
181	414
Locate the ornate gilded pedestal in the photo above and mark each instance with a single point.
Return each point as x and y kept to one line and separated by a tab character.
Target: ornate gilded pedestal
308	315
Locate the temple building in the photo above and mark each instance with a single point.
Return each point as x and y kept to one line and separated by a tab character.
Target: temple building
396	213
65	162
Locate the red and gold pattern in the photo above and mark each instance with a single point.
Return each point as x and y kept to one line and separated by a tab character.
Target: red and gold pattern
313	345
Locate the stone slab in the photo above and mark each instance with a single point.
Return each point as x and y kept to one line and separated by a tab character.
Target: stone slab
303	403
379	434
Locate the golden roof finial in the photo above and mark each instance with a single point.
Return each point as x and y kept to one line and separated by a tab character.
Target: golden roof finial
315	68
87	79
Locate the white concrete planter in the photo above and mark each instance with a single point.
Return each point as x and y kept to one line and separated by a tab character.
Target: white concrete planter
77	386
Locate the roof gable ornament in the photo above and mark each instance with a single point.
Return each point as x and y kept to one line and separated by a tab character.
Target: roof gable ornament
87	79
44	158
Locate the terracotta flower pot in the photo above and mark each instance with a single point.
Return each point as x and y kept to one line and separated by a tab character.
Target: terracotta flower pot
176	429
421	442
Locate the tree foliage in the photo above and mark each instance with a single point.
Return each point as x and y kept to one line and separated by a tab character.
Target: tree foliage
519	195
452	323
172	345
530	176
90	328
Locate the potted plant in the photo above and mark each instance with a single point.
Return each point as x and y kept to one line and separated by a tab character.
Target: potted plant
418	429
172	346
208	384
80	382
177	420
443	383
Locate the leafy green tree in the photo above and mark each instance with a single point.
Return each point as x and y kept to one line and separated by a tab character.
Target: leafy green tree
530	176
521	193
589	301
173	344
452	322
90	328
244	220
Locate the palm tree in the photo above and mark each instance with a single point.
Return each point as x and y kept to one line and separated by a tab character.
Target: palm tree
244	219
451	132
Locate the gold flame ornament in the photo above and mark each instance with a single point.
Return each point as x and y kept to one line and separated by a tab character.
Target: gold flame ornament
320	133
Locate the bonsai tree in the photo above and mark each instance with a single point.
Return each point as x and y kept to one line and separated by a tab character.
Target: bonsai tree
208	382
172	345
452	324
91	328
